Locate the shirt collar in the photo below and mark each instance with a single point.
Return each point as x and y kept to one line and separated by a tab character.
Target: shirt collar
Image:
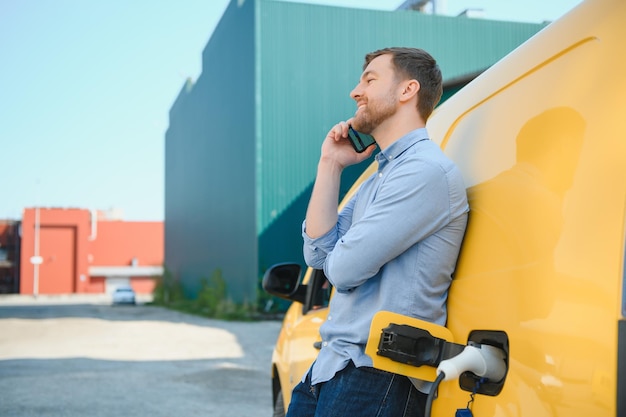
399	146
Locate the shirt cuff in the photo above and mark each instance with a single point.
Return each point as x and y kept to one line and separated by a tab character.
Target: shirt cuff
327	241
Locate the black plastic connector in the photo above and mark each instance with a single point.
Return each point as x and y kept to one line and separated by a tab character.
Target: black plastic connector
413	346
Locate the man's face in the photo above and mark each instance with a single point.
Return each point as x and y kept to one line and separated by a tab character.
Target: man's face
375	95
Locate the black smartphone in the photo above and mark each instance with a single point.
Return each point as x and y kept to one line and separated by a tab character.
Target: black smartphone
360	141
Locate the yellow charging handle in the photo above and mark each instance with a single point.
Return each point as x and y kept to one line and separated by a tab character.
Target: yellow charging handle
383	319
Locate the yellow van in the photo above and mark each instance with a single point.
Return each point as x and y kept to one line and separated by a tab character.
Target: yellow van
541	140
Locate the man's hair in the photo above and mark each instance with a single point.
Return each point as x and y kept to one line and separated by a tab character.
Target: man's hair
417	64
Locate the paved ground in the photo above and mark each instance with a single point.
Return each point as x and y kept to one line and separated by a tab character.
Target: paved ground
71	357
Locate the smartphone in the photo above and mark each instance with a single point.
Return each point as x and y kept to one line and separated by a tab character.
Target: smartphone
360	141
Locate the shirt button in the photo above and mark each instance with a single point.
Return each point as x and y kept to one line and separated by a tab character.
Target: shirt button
330	317
380	175
325	344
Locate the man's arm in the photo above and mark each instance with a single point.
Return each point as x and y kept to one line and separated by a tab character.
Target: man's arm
321	214
411	204
337	153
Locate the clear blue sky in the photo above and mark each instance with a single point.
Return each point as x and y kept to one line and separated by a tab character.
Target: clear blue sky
86	86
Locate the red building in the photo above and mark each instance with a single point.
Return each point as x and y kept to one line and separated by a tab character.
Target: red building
80	251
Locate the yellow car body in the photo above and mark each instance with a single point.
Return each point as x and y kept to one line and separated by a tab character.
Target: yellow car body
541	140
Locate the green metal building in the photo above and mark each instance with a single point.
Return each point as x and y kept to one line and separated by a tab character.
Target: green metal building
243	142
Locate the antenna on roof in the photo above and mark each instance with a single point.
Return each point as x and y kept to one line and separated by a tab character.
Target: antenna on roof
437	6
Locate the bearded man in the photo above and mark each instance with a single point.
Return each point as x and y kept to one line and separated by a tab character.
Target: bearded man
395	244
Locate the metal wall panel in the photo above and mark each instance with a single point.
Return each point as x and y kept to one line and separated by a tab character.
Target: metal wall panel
310	57
243	141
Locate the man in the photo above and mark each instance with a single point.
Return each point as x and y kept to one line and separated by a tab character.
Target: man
395	244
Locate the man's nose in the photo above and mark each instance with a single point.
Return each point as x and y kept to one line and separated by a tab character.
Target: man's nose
355	93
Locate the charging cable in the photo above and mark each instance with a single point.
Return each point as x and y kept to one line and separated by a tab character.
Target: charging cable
485	361
432	393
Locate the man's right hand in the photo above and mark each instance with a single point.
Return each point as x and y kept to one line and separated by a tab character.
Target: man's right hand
338	150
337	153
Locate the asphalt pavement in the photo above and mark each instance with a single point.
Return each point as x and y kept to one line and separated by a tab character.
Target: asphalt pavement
81	356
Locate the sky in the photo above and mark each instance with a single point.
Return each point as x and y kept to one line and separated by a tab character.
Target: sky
86	87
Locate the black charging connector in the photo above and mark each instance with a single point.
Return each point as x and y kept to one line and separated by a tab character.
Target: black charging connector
413	346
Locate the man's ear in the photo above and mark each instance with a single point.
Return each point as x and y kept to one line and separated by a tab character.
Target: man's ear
409	90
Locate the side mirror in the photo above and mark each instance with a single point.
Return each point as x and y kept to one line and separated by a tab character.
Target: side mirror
282	280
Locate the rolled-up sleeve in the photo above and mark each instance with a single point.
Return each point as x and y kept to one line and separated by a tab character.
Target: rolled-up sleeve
316	250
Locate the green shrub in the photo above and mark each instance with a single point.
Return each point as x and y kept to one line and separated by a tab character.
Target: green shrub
212	299
168	289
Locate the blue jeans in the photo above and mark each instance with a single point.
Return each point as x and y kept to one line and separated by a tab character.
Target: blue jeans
362	392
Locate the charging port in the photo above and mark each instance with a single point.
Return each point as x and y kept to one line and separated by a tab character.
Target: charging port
468	380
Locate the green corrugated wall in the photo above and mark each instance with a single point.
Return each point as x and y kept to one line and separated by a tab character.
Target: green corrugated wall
243	141
309	57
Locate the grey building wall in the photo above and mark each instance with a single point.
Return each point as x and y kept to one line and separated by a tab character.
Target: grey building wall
210	164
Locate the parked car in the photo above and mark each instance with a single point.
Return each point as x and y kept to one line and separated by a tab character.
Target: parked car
124	295
541	140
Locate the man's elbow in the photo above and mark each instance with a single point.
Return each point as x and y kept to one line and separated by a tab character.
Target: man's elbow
343	280
314	260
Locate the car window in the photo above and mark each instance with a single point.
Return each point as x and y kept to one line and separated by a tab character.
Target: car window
318	292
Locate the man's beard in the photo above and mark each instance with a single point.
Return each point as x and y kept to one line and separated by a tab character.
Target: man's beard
375	112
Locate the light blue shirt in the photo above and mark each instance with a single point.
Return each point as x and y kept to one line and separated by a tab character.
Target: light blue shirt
394	248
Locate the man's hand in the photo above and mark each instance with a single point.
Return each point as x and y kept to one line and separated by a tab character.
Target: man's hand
338	150
337	153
